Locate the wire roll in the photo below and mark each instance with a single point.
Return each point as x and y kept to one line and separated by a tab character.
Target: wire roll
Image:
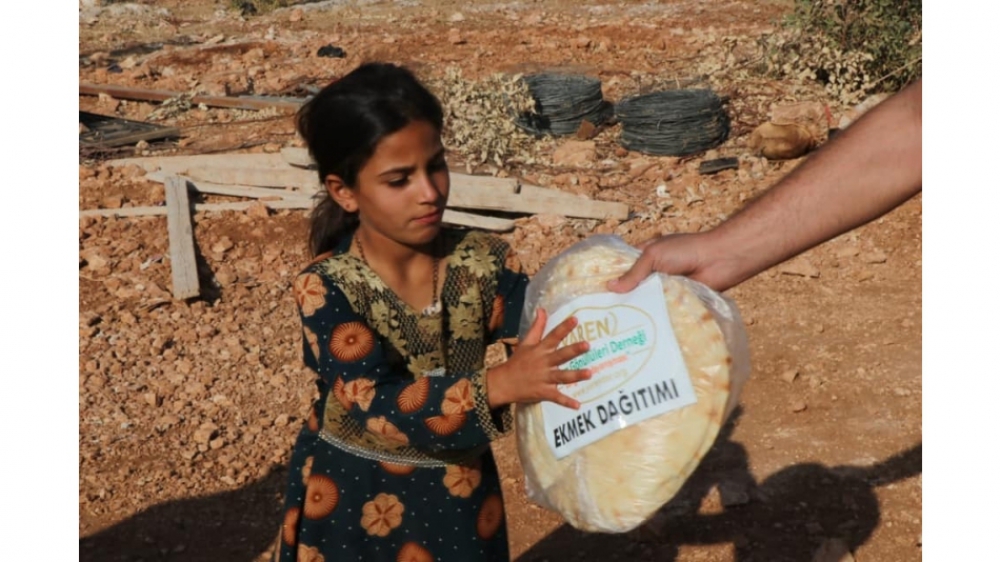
562	102
673	122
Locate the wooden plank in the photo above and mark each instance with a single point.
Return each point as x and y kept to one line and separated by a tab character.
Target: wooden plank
297	157
250	191
181	164
305	180
142	94
482	222
483	183
467	191
455	218
183	267
302	203
300	157
536	202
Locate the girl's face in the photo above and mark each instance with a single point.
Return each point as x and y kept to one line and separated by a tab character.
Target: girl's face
402	190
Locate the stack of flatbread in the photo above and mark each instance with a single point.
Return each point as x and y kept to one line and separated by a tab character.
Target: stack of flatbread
620	481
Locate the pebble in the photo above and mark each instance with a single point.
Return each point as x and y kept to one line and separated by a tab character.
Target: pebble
798	406
223	245
790	375
799	267
874	257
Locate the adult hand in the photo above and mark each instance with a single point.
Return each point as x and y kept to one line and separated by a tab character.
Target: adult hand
697	256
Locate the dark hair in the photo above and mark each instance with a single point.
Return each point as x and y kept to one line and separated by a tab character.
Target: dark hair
342	125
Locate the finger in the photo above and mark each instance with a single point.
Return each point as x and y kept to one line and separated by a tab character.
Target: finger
569	352
563	400
534	334
559	333
570	376
631	279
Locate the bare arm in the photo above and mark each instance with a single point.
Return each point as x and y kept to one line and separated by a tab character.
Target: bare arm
863	173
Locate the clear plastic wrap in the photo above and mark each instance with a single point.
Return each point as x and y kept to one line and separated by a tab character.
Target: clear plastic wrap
669	360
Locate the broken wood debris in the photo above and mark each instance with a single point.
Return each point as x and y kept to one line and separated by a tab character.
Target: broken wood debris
105	131
709	167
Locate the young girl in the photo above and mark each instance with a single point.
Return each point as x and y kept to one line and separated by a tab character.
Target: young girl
397	311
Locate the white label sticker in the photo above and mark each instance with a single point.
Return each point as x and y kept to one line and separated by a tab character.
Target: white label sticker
638	370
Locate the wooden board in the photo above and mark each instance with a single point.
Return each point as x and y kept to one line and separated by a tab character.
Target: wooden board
477	192
458	218
247	191
198	207
467	191
181	164
297	157
300	157
289	177
183	267
455	218
142	94
537	202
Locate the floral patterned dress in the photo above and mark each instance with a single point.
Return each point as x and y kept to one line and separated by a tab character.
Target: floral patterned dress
394	463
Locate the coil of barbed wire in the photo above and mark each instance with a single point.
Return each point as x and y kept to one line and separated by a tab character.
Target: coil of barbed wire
673	122
563	102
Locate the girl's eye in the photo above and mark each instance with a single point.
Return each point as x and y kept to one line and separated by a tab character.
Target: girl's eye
398	182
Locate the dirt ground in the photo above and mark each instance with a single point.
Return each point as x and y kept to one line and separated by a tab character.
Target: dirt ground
188	411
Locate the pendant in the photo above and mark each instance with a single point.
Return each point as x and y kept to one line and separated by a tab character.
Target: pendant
432	309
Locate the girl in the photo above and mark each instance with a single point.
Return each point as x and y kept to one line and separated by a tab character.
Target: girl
397	311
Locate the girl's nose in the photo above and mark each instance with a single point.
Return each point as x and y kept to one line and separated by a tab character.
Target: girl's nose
430	191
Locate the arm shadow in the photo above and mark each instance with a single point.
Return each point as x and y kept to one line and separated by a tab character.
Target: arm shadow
786	517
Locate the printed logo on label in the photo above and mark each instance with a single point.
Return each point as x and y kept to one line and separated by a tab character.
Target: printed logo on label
638	369
622	339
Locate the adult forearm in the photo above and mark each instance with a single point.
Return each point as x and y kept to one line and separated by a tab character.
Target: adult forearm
864	172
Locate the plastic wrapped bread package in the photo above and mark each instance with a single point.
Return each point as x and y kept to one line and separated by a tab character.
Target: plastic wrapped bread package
669	360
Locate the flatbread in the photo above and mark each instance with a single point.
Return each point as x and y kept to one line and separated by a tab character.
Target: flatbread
617	483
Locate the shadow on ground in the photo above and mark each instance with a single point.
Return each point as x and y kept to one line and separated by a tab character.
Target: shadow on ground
233	526
787	517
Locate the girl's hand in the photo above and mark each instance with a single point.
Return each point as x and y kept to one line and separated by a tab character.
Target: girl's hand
532	373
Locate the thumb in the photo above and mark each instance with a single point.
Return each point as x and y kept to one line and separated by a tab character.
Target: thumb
534	334
631	279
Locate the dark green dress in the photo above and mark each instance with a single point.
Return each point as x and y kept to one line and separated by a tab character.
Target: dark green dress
394	463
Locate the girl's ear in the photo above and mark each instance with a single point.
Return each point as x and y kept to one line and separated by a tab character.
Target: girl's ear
341	193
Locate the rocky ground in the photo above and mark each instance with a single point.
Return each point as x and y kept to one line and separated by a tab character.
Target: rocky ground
188	411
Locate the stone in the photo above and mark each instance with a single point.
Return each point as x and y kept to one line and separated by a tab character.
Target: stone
575	154
790	375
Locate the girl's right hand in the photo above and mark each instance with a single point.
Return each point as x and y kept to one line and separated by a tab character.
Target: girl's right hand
532	373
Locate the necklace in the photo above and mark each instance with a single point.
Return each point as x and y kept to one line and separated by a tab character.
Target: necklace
435	306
